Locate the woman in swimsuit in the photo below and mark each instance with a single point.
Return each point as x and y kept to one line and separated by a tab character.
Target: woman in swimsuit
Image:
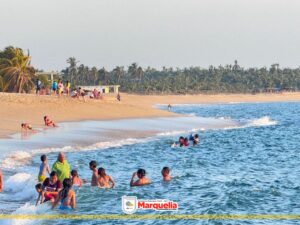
66	196
143	180
104	181
48	122
76	181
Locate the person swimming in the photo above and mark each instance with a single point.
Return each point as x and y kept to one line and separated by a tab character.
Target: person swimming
142	179
165	172
186	142
181	141
26	126
196	139
104	181
76	181
66	196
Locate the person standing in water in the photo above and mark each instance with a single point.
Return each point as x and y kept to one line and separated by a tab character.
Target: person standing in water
61	167
142	179
165	172
66	196
44	169
51	187
169	107
93	167
104	181
76	181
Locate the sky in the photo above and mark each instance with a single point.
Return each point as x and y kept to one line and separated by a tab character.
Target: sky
155	33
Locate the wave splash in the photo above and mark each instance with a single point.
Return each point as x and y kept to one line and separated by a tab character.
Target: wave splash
263	121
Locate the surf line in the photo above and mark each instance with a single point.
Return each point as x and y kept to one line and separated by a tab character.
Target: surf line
151	217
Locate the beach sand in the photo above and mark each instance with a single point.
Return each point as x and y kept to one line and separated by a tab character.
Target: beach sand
19	108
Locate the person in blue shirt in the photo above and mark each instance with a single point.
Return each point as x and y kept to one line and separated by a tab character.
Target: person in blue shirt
54	87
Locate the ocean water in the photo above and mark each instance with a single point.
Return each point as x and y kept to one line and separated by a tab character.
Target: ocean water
247	162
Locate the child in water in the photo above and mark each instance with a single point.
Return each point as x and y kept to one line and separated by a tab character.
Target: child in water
104	181
26	126
66	196
39	190
76	181
142	179
48	122
186	142
93	167
196	139
165	172
44	169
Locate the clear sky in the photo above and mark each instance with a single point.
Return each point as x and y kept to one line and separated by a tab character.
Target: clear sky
154	33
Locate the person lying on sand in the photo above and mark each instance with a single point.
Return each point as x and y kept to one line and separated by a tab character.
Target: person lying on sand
104	181
165	172
142	179
26	126
48	122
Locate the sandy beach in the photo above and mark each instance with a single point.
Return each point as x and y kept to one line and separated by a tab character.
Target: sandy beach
18	108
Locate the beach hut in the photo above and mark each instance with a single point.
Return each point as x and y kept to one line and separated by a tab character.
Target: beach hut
105	89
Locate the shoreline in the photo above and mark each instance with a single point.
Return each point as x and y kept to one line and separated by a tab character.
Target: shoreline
19	108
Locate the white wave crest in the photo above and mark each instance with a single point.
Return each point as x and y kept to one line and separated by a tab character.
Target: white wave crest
21	185
28	209
16	159
263	121
21	158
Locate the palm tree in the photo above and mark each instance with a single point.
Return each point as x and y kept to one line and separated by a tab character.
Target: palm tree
72	69
119	72
17	72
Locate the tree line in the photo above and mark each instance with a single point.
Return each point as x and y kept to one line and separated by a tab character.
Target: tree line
222	79
18	75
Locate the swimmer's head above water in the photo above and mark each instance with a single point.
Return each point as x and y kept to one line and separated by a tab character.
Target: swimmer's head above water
101	172
141	173
93	164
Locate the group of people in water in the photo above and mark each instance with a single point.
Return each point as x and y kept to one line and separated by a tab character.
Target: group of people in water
57	188
185	141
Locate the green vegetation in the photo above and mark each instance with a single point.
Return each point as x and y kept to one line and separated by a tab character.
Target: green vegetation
16	73
226	79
